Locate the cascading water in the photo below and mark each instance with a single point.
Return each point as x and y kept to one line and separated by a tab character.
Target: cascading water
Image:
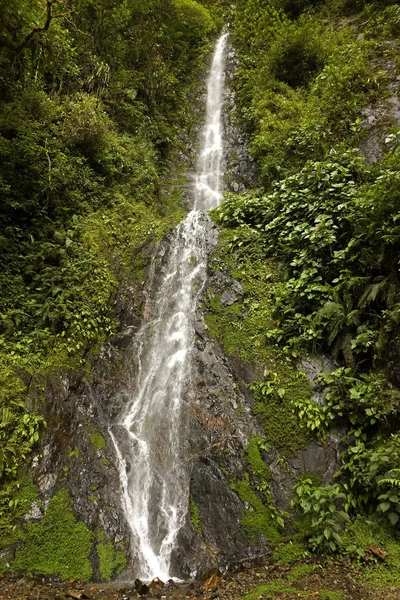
149	436
209	174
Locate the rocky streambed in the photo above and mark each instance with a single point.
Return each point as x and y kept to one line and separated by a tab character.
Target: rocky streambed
260	580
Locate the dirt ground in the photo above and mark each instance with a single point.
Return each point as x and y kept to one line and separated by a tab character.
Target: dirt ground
319	580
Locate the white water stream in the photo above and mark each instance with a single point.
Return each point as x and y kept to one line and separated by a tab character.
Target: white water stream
148	437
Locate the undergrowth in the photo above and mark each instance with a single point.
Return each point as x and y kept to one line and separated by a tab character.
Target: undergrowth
316	248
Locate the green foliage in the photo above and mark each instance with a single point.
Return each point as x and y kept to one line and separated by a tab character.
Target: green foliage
19	427
340	295
112	561
97	440
312	416
275	398
326	595
58	544
341	292
289	552
373	477
363	402
256	22
329	226
16	499
261	517
300	85
298	54
365	533
195	17
270	589
194	515
325	505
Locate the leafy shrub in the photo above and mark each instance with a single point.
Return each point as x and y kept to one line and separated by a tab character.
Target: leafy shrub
87	126
374	477
347	82
325	506
297	56
194	18
19	427
295	7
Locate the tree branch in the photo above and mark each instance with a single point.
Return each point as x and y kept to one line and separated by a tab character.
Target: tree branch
36	30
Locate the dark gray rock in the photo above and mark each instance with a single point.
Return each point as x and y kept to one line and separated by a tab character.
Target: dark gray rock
241	170
377	120
227	299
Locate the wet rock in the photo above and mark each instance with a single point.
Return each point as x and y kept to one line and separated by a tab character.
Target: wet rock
141	588
211	579
241	169
78	595
156	585
227	299
200	327
35	513
377	122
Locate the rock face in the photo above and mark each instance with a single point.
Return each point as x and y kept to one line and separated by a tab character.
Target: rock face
378	120
241	170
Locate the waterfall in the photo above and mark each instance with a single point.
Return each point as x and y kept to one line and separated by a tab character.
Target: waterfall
149	436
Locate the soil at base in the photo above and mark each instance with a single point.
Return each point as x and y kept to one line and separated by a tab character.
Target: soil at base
316	579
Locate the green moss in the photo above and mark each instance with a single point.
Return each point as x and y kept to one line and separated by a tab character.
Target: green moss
290	552
261	517
243	327
3	566
274	403
300	571
367	532
257	465
26	493
270	589
58	544
327	595
194	515
15	501
97	440
112	561
73	453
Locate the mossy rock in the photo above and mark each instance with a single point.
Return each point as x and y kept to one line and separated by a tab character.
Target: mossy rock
112	561
57	545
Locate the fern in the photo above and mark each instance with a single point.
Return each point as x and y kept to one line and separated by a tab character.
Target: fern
6	416
392	478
